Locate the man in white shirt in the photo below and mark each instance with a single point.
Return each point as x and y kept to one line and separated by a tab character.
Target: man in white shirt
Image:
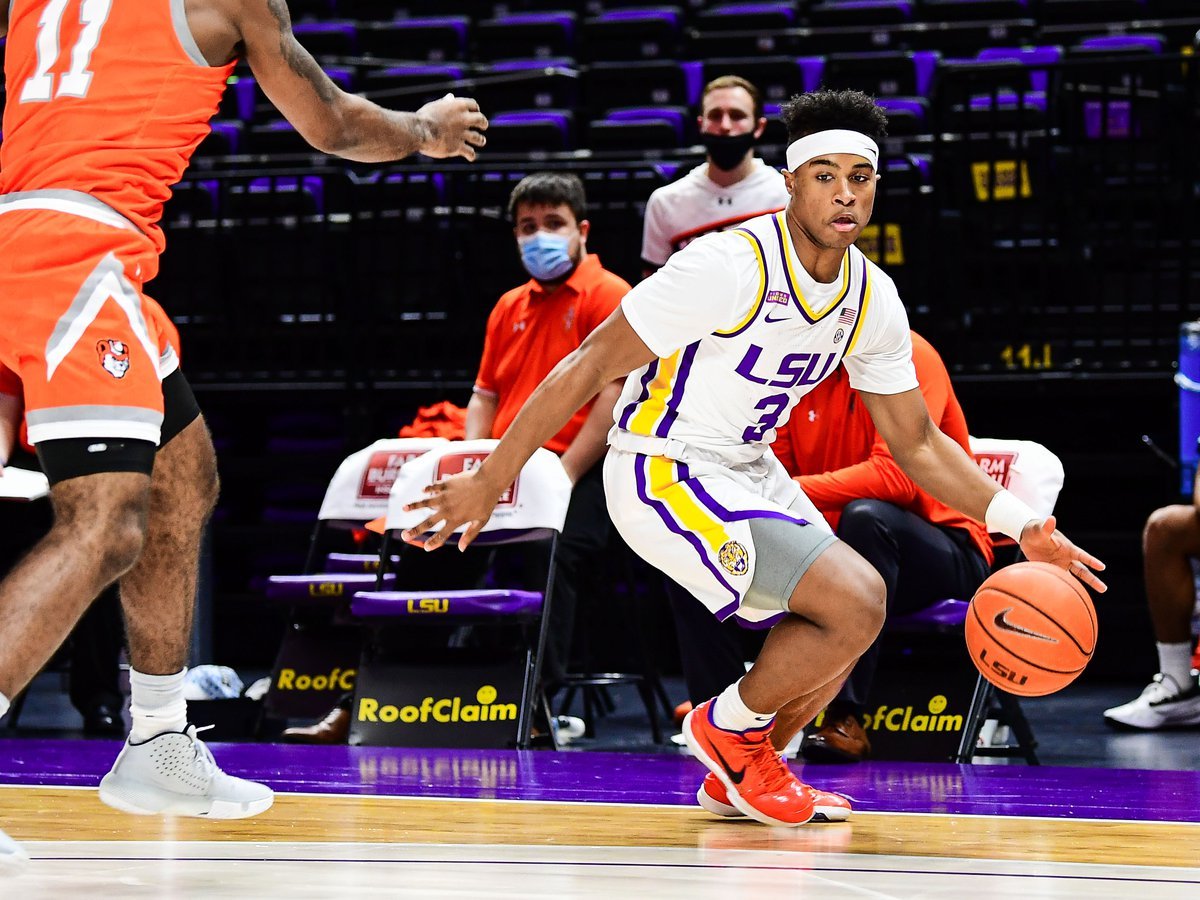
720	345
729	187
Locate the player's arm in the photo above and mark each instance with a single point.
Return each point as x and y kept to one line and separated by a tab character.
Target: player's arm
940	466
611	351
589	444
481	413
334	121
3	20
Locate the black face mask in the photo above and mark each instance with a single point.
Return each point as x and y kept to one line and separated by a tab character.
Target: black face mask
727	150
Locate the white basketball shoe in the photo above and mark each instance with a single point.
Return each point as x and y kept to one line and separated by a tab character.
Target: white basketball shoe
1163	704
174	774
12	857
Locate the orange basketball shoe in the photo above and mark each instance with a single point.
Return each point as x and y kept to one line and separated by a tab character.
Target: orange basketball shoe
827	806
756	781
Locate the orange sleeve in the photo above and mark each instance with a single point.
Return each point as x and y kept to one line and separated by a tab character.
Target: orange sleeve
486	379
607	297
782	446
879	477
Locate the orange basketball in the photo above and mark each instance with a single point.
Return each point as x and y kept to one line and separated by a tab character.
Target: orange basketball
1031	629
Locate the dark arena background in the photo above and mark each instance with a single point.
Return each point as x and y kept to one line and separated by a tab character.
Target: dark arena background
1039	211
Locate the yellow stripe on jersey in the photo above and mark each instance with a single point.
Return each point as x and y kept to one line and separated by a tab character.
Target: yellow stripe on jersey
665	486
762	287
862	313
788	250
652	407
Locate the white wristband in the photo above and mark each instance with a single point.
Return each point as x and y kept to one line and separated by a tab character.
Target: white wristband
1007	514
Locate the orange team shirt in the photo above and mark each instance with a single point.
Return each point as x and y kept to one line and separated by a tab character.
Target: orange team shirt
830	432
105	97
531	329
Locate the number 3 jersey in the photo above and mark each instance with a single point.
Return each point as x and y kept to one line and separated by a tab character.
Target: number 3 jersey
742	331
106	97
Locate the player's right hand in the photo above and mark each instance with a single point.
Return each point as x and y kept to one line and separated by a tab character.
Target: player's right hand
455	127
465	499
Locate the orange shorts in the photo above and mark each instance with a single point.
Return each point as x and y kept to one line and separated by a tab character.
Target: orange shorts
89	347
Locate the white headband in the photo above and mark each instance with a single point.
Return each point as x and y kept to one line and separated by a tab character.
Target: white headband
824	143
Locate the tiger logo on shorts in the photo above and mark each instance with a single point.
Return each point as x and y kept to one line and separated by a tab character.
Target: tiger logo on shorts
734	558
114	357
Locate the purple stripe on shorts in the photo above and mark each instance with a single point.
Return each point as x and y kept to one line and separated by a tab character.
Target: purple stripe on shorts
685	369
639	468
651	371
726	515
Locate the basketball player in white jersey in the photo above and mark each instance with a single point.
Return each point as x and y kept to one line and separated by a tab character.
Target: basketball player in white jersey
720	344
729	187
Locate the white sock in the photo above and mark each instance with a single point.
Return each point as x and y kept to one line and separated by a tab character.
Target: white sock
1175	661
732	714
3	706
156	704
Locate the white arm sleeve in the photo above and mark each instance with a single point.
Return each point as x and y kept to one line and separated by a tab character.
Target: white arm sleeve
709	285
656	246
880	362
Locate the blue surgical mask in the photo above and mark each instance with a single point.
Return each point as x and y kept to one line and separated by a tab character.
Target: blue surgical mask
546	256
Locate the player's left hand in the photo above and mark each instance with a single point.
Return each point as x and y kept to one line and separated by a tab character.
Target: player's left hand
465	499
1042	542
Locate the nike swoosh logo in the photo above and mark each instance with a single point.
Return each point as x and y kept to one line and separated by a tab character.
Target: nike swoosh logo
1002	622
735	775
768	318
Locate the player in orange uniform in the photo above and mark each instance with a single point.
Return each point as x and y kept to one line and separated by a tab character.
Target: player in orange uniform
106	103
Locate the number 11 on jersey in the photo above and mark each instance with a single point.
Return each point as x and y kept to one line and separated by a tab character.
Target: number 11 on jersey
78	78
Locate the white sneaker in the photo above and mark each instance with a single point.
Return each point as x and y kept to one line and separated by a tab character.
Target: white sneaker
568	728
12	857
174	774
1162	704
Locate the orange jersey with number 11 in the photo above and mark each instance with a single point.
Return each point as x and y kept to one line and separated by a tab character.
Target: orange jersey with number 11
108	97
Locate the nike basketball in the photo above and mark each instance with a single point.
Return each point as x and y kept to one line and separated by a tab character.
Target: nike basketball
1031	629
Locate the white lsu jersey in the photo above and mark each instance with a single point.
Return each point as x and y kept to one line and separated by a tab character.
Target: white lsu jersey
742	332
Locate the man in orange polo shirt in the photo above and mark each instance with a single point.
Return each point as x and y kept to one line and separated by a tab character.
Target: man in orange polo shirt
530	329
924	550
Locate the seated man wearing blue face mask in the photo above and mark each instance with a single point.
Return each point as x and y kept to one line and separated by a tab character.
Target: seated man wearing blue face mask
530	329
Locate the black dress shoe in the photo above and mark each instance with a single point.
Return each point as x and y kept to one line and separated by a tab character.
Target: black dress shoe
103	720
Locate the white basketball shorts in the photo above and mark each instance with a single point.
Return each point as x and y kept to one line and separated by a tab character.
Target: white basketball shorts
737	537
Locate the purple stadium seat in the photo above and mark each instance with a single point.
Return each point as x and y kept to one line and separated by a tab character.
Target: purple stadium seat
887	74
545	130
746	16
905	115
432	75
1120	43
436	39
358	563
834	13
648	33
539	35
609	85
323	588
444	604
777	77
224	139
973	10
1065	11
947	615
1026	56
676	116
327	38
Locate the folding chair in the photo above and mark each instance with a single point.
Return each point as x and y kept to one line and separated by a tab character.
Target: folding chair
318	655
1035	475
440	693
